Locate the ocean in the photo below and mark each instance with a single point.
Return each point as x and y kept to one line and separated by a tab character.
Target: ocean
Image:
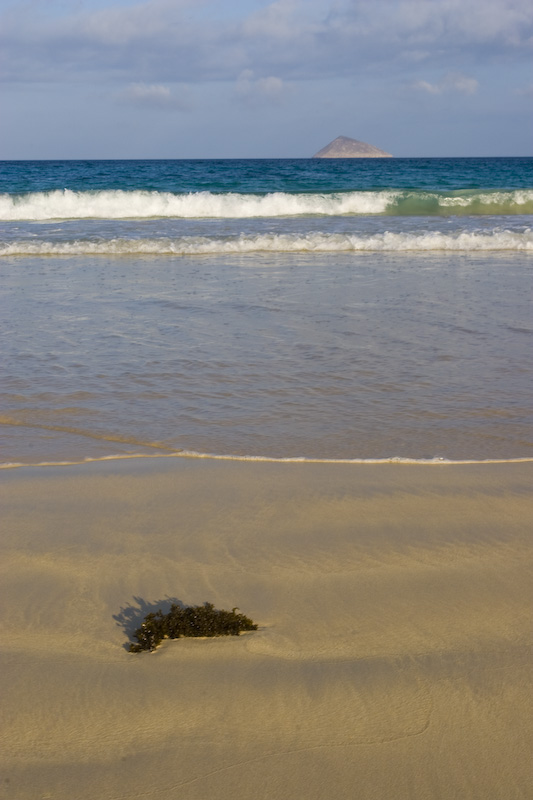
321	309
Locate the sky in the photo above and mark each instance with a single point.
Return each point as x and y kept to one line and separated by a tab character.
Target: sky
260	79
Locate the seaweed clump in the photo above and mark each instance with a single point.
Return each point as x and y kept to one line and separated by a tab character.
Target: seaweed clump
181	621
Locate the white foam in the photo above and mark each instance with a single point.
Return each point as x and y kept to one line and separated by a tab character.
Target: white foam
498	240
196	205
190	454
518	197
119	204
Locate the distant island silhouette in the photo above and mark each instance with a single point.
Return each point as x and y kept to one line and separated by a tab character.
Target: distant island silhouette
344	147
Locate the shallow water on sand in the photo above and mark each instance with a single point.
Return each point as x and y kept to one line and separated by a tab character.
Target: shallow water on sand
378	309
283	355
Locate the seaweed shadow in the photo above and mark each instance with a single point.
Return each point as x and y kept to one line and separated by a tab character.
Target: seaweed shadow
131	617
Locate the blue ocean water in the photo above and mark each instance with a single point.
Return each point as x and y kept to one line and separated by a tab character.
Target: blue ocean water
315	308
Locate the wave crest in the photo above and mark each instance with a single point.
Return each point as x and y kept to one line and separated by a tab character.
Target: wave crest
280	243
120	204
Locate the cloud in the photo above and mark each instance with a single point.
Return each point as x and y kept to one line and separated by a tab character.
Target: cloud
451	82
283	19
154	96
153	41
163	41
526	91
252	91
439	23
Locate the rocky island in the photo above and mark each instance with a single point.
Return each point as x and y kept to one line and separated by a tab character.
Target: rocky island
344	147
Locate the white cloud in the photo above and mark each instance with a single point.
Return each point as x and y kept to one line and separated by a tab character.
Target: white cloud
451	82
252	91
462	83
526	91
430	88
283	19
270	87
154	96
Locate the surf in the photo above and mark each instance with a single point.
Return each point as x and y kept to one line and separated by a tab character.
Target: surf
141	204
319	242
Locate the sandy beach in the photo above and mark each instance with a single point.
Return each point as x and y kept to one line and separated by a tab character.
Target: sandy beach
392	660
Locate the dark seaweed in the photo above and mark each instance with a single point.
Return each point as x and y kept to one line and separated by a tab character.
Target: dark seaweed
181	621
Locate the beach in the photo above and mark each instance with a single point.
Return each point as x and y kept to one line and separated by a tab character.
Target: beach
392	657
296	387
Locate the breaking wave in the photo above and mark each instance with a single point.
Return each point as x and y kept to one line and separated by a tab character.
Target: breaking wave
119	204
280	243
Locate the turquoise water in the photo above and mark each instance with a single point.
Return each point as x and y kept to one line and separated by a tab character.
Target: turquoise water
375	308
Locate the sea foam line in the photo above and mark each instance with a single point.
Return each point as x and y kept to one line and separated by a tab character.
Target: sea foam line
279	243
192	455
138	204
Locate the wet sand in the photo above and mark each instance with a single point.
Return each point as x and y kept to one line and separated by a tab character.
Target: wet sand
392	660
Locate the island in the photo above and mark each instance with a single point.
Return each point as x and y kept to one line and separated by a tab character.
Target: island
344	147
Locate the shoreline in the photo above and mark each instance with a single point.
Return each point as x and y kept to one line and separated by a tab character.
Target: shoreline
189	454
393	653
